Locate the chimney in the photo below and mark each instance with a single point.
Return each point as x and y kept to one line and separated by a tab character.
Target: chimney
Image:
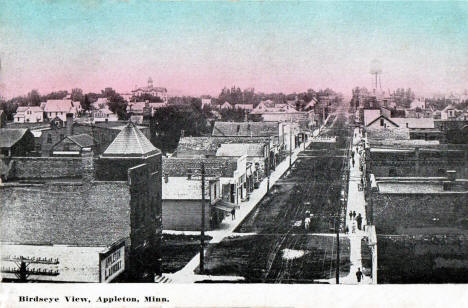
166	178
69	124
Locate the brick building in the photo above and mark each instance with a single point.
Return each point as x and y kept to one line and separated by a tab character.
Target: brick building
72	220
421	226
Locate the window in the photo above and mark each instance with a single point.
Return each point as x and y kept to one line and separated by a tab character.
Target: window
61	136
382	122
49	138
392	172
441	172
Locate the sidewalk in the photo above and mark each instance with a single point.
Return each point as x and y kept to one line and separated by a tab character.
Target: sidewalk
356	202
227	227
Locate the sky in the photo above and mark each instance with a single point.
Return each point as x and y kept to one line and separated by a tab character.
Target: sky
196	48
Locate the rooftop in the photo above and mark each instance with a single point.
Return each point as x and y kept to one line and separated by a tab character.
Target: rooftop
247	129
214	167
240	149
59	105
423	186
208	146
83	140
33	214
10	136
130	142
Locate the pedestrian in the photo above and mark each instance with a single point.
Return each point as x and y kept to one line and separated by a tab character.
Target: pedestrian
350	215
346	230
353	227
359	275
352	154
352	162
233	214
359	221
362	181
354	214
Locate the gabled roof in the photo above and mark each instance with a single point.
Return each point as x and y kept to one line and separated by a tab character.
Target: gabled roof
240	149
450	106
247	129
10	136
83	140
59	105
382	117
130	142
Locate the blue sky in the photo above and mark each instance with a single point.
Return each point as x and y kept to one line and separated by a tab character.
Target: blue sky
199	47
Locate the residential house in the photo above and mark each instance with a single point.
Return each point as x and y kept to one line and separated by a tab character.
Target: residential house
60	108
225	105
419	102
448	113
28	114
104	115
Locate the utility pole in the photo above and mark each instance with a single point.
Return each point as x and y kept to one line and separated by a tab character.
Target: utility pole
290	147
202	232
337	227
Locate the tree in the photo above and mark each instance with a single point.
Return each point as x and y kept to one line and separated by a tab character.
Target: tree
34	98
86	104
118	106
77	95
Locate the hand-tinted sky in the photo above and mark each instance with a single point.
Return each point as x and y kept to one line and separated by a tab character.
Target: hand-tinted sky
200	47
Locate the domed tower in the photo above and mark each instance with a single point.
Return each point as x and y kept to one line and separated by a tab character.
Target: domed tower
150	83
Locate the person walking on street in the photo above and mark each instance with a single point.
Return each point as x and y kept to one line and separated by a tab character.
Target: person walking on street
350	215
352	162
233	214
359	275
354	214
353	227
359	221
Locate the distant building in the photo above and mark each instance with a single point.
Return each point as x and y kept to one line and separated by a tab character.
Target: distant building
225	105
104	115
448	113
151	90
28	114
205	102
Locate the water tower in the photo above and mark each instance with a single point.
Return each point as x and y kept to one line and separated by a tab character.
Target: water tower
376	69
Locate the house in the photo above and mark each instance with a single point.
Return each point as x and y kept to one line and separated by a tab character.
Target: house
84	219
16	142
104	115
100	103
28	114
448	113
205	102
381	122
60	108
225	105
136	108
419	103
73	145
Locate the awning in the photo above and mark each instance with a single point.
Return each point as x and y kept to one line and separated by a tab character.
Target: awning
226	206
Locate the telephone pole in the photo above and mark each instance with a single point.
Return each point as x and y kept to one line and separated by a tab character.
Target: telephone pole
337	227
202	232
